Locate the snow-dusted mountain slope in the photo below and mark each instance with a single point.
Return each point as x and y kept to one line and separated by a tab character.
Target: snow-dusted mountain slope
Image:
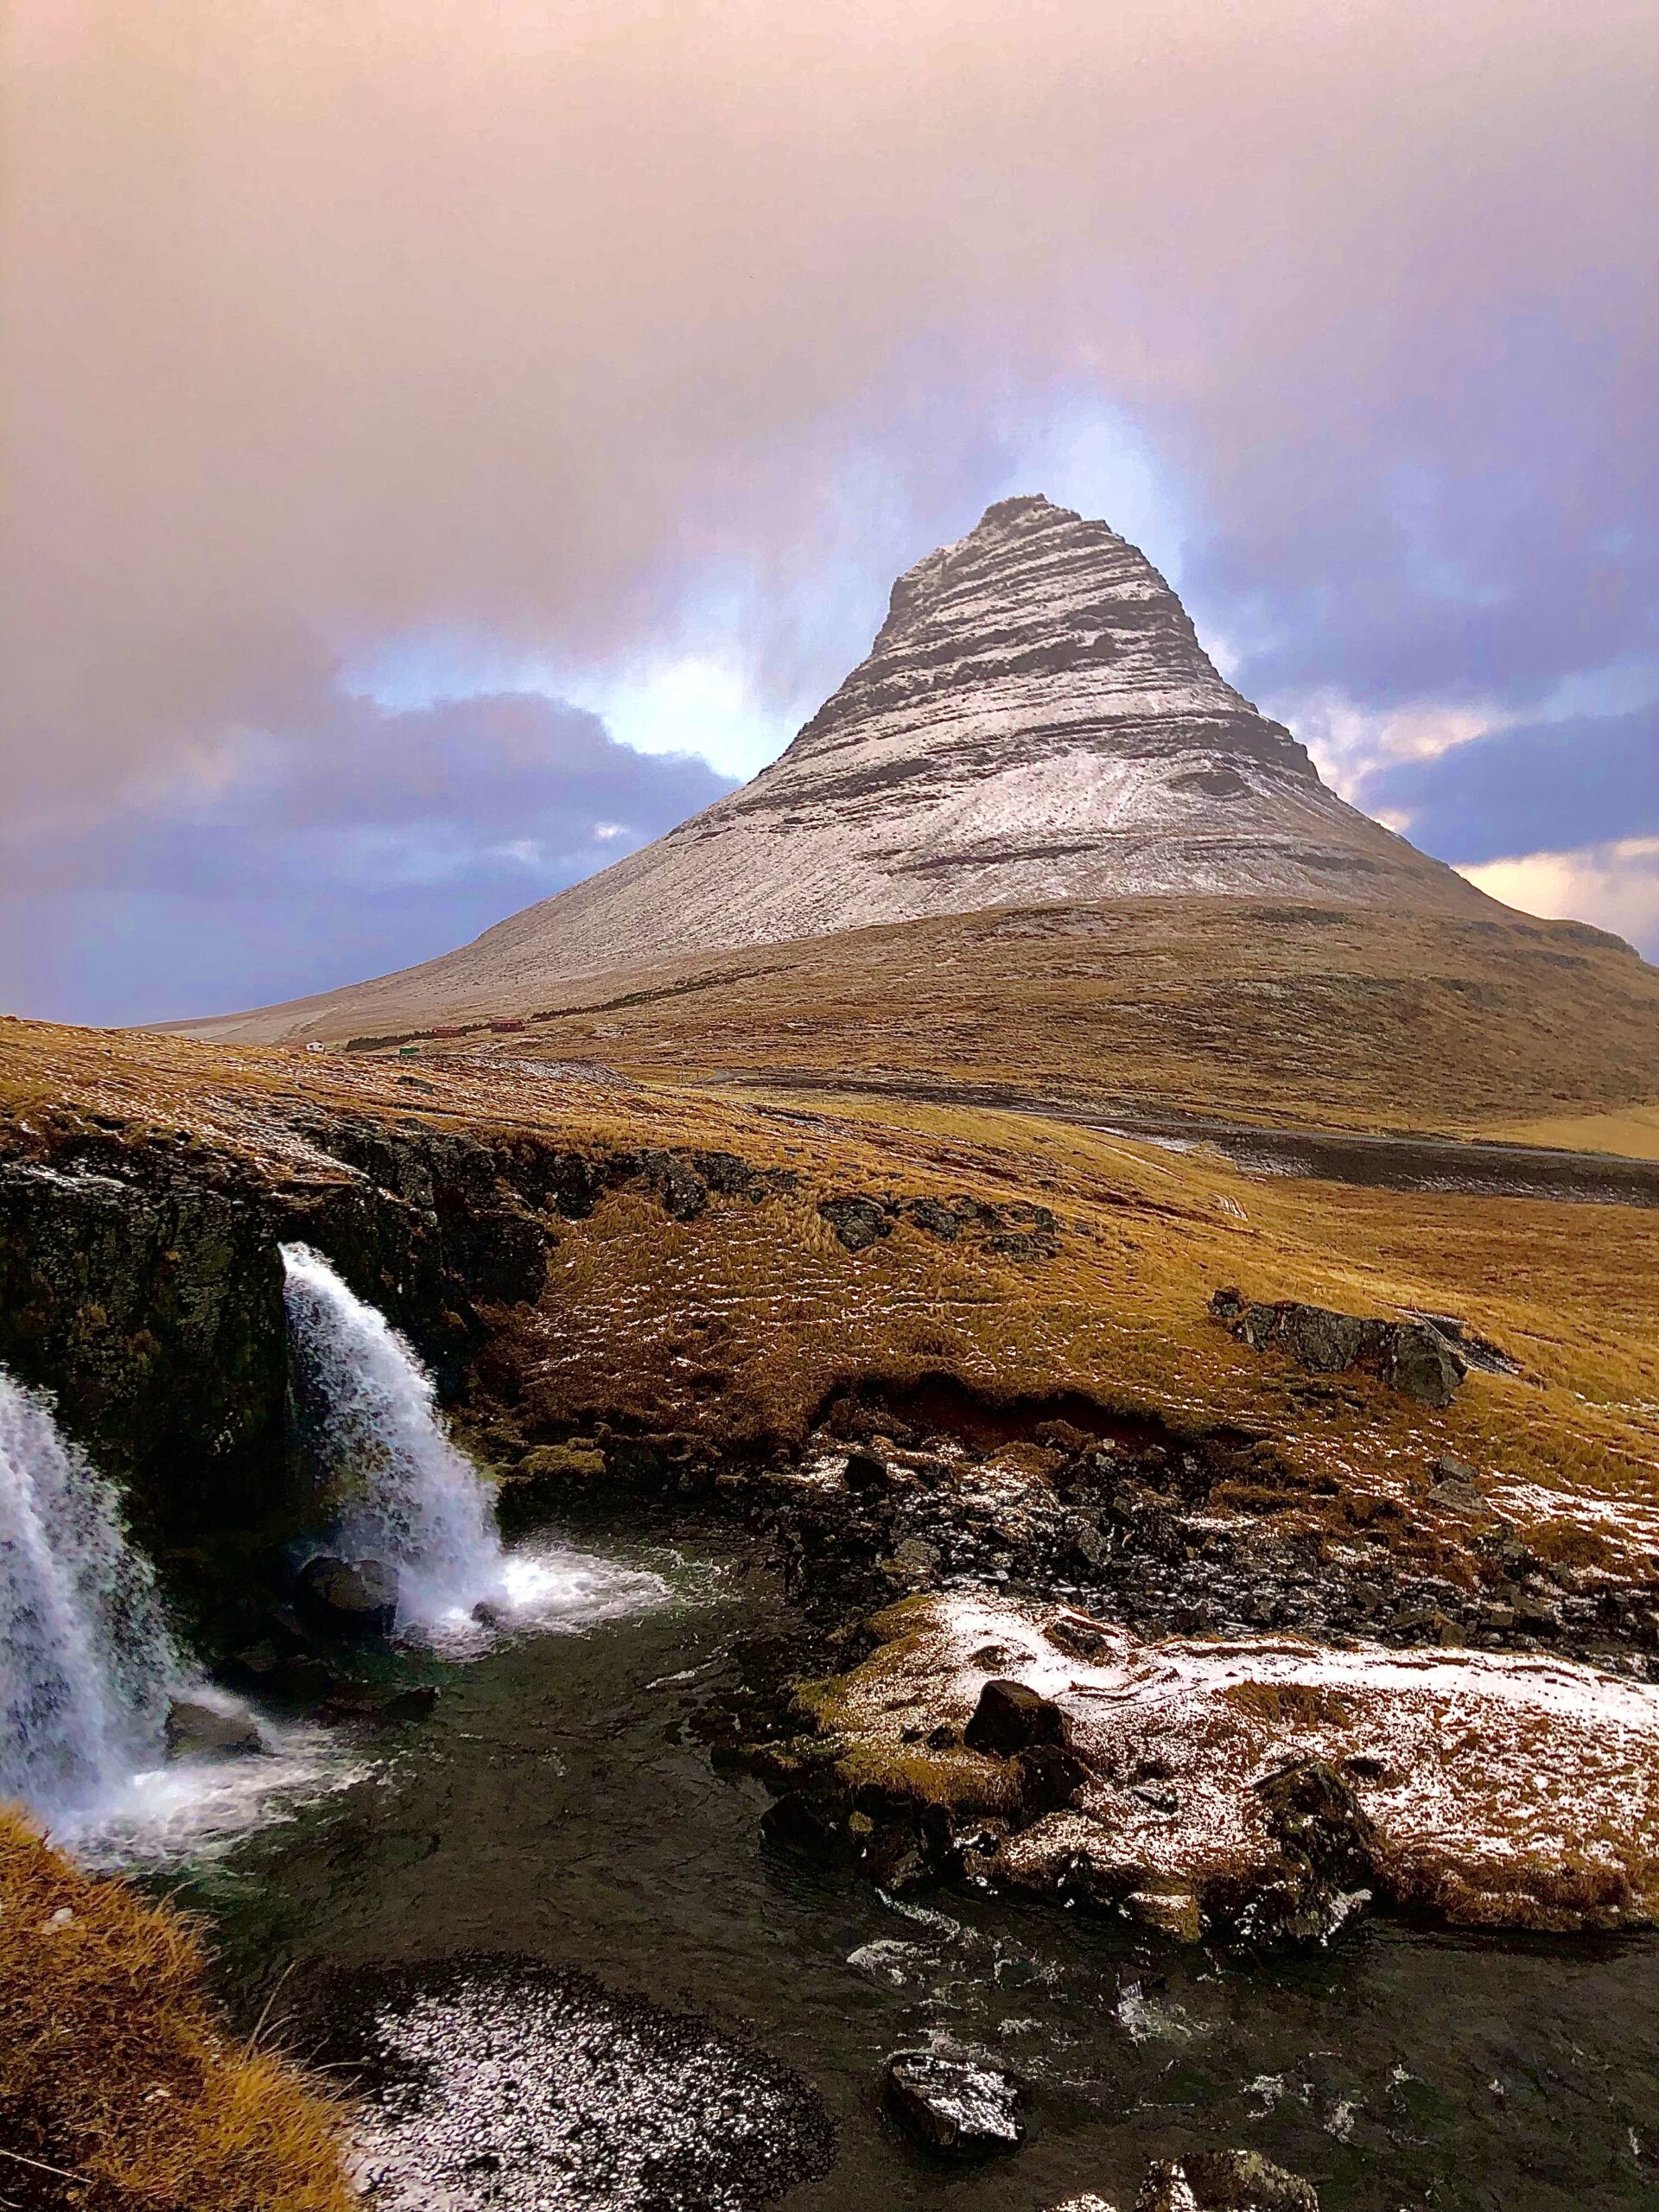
1037	722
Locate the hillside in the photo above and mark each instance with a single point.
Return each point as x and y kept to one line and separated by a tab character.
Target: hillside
1324	1016
704	1295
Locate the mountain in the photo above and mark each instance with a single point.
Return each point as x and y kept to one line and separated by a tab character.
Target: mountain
1036	722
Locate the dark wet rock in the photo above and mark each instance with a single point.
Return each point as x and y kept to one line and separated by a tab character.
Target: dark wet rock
199	1727
379	1703
1224	2181
864	1471
1050	1777
796	1822
1411	1356
349	1598
1011	1717
140	1284
958	2102
1327	1863
859	1223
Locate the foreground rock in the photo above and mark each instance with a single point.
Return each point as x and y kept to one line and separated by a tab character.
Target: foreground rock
1250	1789
212	1725
1417	1357
350	1598
1211	2181
1224	2181
961	2103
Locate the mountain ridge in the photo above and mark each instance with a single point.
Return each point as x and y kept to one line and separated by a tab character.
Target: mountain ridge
1036	721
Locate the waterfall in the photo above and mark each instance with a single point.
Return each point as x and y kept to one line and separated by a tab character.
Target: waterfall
88	1662
403	1493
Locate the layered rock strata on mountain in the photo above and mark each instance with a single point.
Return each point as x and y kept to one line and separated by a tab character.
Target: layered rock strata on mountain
1036	721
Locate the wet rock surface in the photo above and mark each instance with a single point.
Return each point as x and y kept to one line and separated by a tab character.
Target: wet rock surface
212	1725
349	1598
959	2103
1224	2181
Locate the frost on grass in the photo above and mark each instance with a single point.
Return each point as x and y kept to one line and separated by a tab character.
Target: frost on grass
1490	1790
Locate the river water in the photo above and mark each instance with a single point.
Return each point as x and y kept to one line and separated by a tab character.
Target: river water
542	1931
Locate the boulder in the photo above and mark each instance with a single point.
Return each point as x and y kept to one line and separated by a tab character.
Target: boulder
1421	1363
205	1725
1412	1356
961	2103
1223	2181
349	1597
1011	1717
858	1222
864	1471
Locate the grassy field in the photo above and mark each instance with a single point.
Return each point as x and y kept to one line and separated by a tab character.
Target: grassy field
1336	1017
735	1328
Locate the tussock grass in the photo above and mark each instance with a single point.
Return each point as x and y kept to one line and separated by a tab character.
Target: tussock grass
1339	1016
116	2068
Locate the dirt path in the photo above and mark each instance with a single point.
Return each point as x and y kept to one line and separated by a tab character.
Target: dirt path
1470	1166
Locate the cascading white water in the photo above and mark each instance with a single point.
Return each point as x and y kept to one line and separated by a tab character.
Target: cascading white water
405	1494
89	1666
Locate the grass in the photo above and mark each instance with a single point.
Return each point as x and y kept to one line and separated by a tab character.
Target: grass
1340	1017
120	2088
732	1331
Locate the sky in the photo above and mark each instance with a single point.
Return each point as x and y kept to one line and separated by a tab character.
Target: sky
447	441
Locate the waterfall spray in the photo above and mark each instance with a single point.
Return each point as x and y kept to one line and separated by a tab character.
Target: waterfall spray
404	1495
88	1663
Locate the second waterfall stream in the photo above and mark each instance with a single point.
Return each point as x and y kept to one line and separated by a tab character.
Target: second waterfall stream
404	1495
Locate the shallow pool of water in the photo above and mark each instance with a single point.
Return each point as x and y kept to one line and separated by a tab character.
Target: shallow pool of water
466	1928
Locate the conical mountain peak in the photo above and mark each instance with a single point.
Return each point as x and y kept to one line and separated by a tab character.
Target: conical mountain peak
1035	723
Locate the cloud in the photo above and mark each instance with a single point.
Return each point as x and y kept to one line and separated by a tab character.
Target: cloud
1616	885
1579	782
609	340
358	841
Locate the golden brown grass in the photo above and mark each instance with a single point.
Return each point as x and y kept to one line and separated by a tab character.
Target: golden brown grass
737	1326
1333	1016
1634	1134
116	2069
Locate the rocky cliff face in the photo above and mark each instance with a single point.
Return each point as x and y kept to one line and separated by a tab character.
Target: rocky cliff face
1036	721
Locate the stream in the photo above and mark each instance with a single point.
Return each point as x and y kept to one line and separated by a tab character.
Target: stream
543	1932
